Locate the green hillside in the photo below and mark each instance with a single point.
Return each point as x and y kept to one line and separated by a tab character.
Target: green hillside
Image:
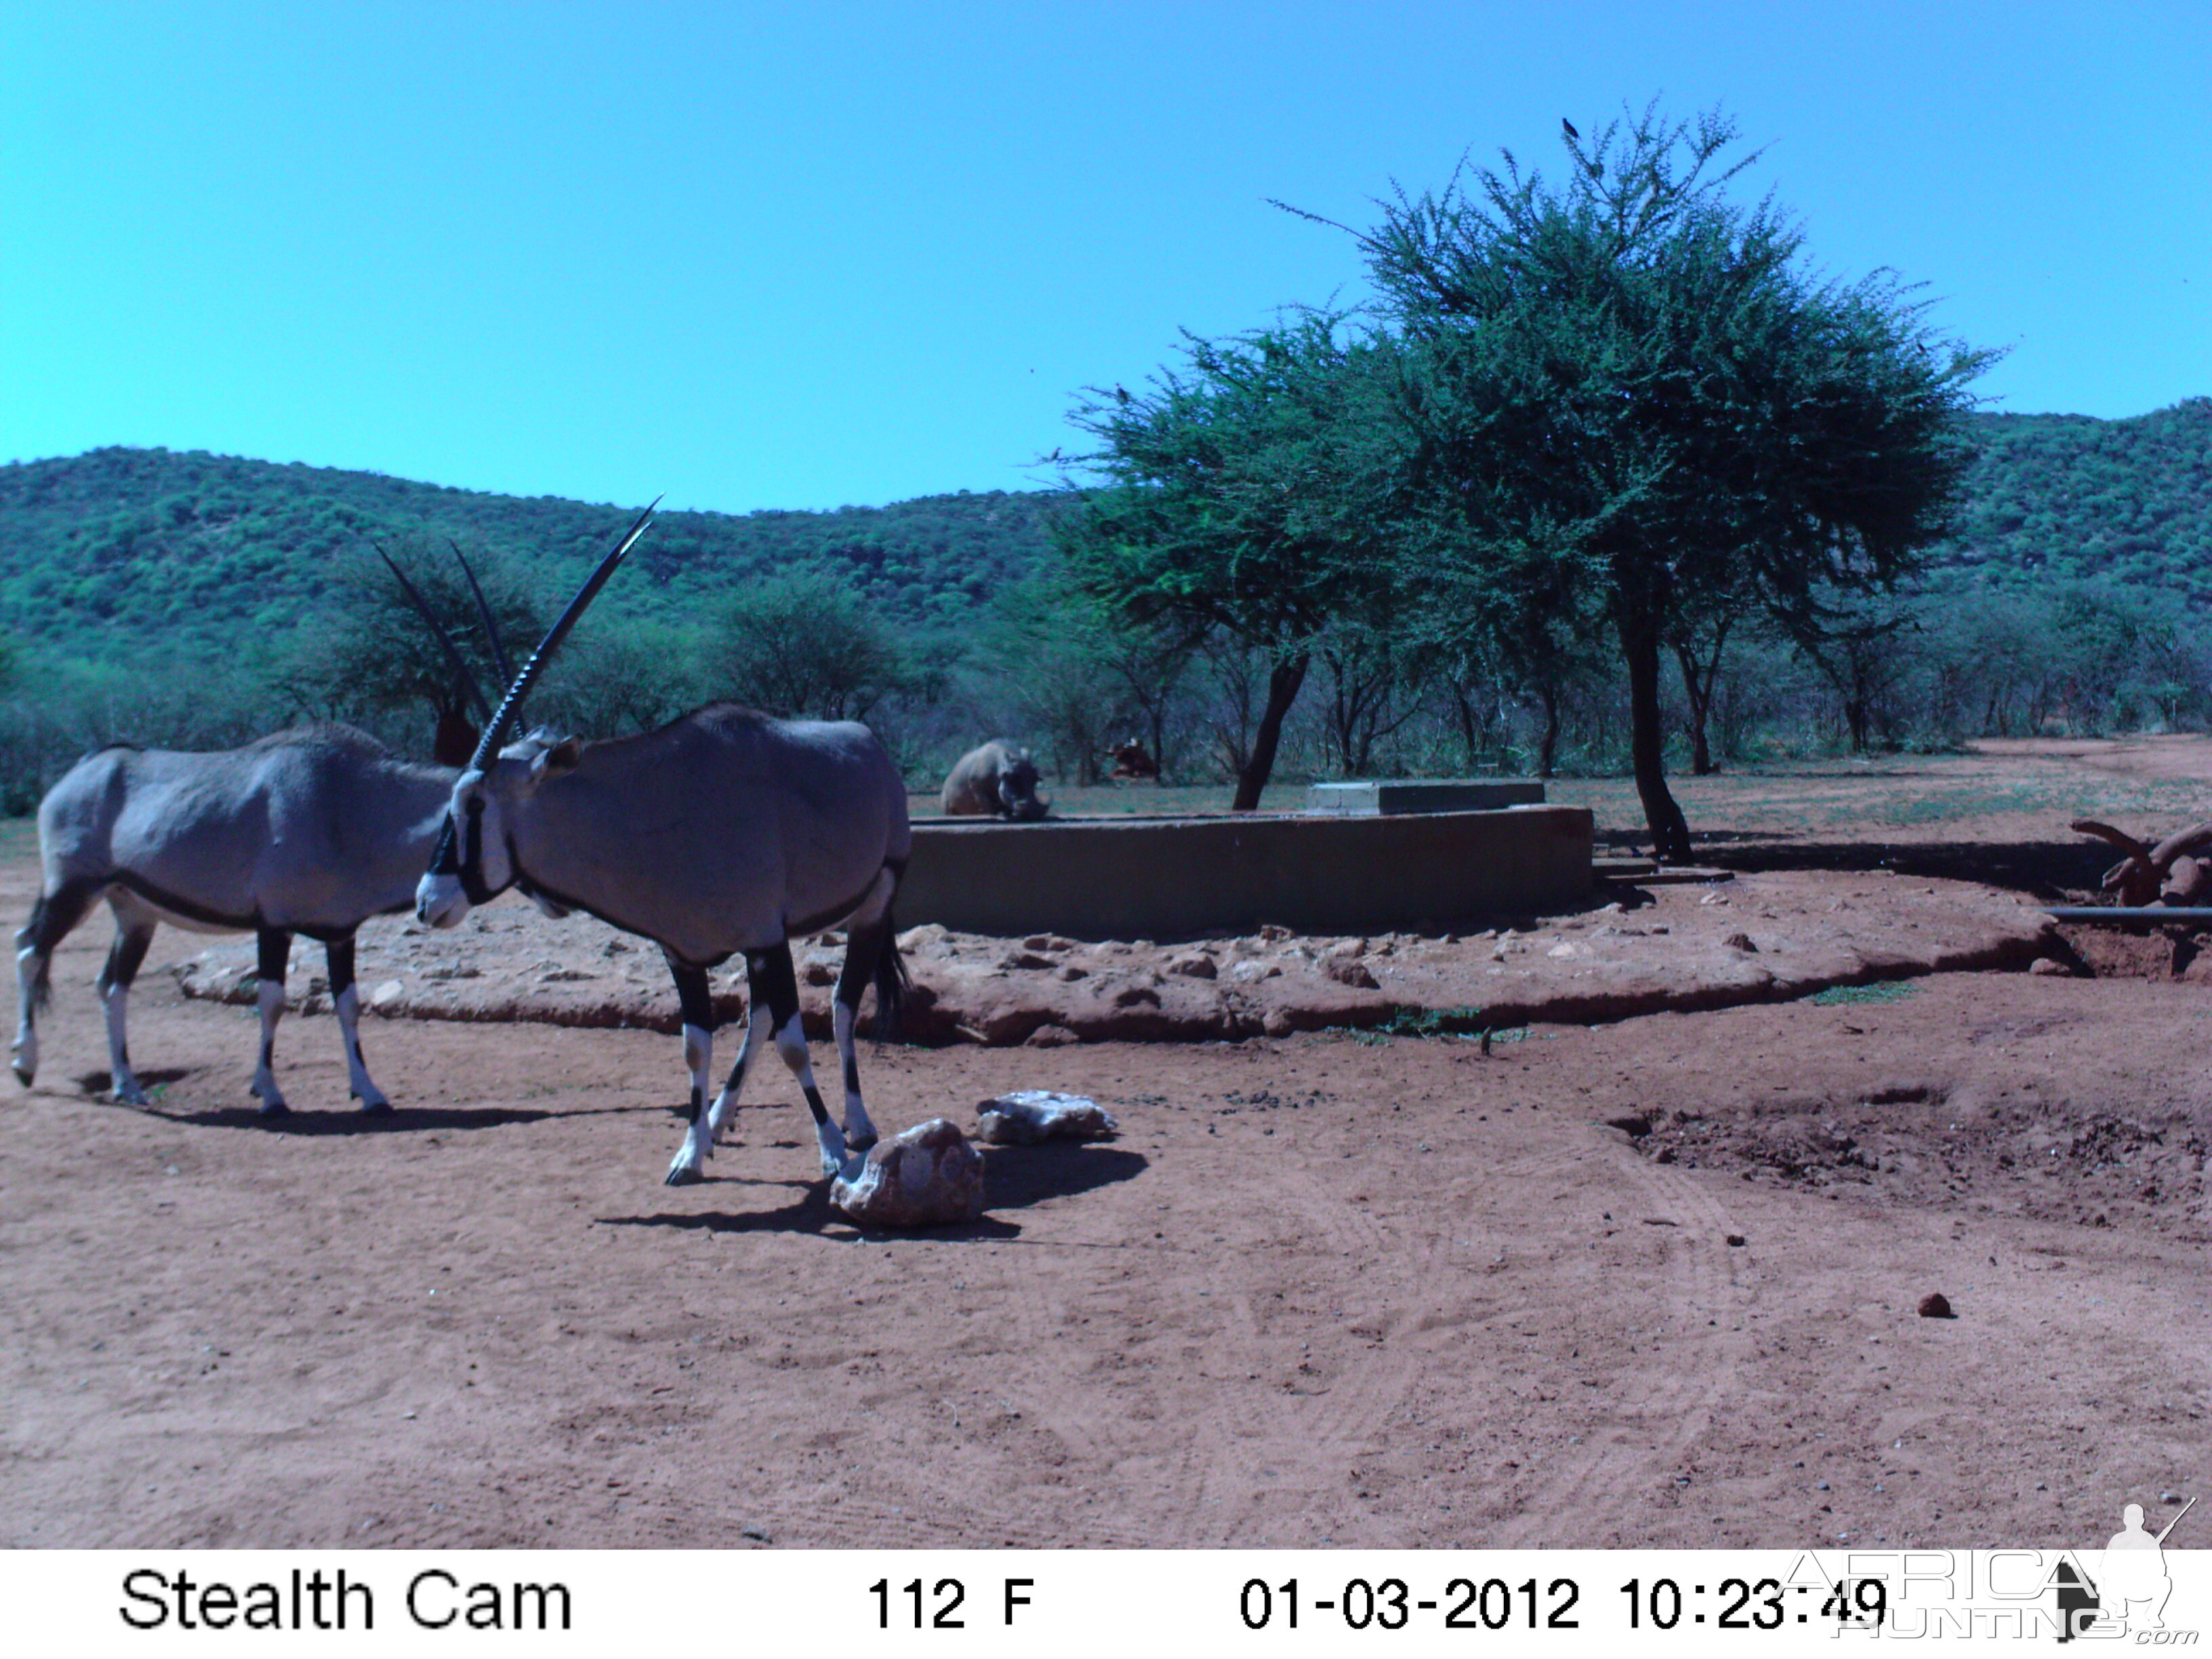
111	552
2064	497
108	552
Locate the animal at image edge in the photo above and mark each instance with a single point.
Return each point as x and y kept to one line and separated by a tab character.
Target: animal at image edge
997	780
311	831
724	833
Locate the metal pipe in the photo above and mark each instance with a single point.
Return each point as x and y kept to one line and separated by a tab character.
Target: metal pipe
2117	915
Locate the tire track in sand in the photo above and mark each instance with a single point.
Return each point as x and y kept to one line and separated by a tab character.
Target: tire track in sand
1659	1412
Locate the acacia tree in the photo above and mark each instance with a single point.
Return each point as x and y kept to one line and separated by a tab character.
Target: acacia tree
374	651
1245	499
1626	393
808	645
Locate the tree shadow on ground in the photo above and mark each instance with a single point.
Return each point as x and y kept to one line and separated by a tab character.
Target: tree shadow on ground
2045	869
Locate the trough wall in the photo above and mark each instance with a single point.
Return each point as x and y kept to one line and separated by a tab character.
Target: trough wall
1175	878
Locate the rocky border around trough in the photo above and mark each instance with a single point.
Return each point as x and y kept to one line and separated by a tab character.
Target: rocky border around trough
1763	938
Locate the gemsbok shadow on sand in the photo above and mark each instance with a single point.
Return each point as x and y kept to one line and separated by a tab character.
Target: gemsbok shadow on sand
1014	1178
399	1121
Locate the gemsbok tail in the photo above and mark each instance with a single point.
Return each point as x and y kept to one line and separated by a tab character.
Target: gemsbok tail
892	981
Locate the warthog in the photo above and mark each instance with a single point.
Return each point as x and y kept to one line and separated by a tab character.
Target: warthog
1000	780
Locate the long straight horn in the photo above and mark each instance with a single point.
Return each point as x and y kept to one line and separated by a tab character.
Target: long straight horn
469	683
483	610
489	745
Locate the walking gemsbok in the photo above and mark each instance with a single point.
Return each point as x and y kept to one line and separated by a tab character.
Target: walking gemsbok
724	833
311	830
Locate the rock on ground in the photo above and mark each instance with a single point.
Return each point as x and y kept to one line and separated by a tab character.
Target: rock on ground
1029	1115
927	1175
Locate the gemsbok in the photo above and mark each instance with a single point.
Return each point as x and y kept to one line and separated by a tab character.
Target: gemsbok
311	830
724	833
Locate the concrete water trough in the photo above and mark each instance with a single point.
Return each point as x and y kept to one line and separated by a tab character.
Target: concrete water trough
1161	878
1372	799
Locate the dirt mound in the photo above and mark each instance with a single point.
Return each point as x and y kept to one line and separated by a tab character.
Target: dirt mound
2087	1167
1768	938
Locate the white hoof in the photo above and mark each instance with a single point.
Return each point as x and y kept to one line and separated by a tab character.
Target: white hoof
128	1093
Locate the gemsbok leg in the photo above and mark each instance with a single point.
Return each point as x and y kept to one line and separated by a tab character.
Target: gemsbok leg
52	918
275	951
697	1000
867	941
134	932
345	999
772	993
774	978
758	1037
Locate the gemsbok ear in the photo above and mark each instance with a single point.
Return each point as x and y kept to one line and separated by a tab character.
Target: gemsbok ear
553	762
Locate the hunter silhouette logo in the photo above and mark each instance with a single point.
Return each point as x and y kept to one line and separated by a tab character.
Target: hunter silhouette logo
2131	1585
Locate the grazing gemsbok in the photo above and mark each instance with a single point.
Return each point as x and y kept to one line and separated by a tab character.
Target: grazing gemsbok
724	833
311	831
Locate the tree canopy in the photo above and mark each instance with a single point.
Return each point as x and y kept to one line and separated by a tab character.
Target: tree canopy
1626	393
1246	496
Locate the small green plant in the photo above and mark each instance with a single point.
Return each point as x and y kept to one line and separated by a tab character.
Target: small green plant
1466	1023
1886	990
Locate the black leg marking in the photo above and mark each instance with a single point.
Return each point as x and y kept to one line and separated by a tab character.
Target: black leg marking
852	1074
274	946
52	918
778	980
691	993
339	954
698	1103
124	958
55	914
814	1104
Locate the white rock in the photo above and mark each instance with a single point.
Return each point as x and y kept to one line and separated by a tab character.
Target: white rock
1029	1115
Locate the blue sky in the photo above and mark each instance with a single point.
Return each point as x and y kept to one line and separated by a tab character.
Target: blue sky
797	257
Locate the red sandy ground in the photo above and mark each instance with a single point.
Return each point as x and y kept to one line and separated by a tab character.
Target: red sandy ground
1323	1289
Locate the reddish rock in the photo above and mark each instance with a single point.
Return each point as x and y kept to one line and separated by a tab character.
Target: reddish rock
1350	970
926	1177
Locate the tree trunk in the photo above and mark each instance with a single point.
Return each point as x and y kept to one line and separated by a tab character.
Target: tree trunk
1698	680
1670	831
1283	682
1548	746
